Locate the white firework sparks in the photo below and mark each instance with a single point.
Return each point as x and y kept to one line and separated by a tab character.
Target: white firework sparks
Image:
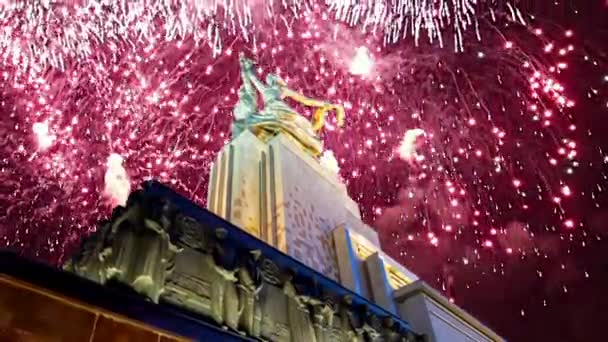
409	143
44	138
52	33
329	162
117	185
362	63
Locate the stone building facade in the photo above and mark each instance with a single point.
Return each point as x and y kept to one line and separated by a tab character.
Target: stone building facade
286	198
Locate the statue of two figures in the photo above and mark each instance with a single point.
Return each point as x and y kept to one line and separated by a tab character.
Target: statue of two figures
277	116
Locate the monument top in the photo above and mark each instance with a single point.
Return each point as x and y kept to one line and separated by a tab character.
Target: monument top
277	116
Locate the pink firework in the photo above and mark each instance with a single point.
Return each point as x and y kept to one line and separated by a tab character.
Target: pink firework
96	98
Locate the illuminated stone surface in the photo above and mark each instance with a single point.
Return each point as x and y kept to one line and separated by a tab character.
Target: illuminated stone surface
280	194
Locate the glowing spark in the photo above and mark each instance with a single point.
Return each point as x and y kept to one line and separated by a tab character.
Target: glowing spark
44	138
362	63
117	186
329	162
408	145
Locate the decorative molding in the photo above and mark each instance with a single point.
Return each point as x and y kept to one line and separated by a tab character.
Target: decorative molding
397	275
381	290
396	278
363	250
229	183
419	287
348	265
458	327
165	254
277	242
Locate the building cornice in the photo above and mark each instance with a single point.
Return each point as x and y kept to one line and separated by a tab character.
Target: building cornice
168	249
419	287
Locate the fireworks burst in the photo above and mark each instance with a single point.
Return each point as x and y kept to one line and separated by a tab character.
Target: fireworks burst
409	144
471	153
40	33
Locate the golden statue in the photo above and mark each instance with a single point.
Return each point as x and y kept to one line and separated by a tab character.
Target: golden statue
277	116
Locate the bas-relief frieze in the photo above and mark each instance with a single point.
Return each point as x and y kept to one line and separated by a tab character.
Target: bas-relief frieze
168	257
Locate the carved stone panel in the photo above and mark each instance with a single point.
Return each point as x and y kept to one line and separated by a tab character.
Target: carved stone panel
190	233
275	323
160	253
189	285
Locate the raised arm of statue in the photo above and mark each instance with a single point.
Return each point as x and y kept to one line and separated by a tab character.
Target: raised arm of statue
247	102
300	98
248	73
246	70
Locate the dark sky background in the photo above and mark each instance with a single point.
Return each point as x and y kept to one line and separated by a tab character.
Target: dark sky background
564	304
579	314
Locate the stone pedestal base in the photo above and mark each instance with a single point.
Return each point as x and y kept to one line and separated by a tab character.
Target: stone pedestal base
280	194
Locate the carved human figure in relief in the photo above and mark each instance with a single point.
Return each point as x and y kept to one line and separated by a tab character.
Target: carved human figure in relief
298	315
277	116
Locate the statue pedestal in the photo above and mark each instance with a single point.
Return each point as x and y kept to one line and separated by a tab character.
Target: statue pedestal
280	194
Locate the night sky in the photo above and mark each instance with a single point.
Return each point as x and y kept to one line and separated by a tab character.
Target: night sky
575	315
481	158
550	313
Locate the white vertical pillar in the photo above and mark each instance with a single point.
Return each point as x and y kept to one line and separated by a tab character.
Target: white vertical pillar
348	263
381	290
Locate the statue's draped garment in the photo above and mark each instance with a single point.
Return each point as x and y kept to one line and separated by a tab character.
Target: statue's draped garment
276	116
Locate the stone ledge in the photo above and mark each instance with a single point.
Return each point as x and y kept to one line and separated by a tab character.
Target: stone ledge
419	287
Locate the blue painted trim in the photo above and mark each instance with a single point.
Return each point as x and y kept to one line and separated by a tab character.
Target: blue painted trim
242	239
